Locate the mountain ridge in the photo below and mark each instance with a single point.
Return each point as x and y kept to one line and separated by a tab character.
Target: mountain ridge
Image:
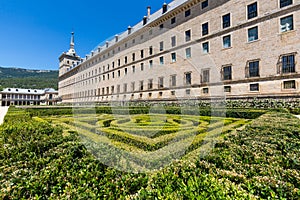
15	77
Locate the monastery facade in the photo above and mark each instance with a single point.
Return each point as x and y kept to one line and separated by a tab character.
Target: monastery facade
192	49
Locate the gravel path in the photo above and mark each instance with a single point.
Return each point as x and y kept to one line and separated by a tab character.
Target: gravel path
3	111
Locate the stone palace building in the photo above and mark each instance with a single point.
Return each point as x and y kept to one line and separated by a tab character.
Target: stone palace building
192	49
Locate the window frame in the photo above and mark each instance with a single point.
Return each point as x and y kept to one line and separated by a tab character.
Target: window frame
284	4
173	57
226	24
188	35
249	73
290	88
188	52
254	87
256	36
204	4
205	28
292	25
224	37
254	13
208	48
290	69
226	76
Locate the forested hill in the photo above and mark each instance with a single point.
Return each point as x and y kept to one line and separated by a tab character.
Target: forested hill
27	78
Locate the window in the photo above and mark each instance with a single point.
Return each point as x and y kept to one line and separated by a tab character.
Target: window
173	56
125	59
149	94
112	89
142	53
113	75
187	13
188	78
187	91
142	66
204	4
227	41
254	87
141	85
173	20
205	76
133	41
284	3
125	87
161	60
160	82
227	88
173	41
150	63
119	63
188	53
205	90
252	69
205	29
125	71
226	20
205	47
173	93
188	35
132	86
286	23
160	94
253	34
133	57
252	10
288	63
161	46
133	69
173	80
226	73
289	84
161	26
150	84
150	50
119	73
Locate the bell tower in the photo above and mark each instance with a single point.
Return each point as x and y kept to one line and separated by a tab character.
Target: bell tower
67	59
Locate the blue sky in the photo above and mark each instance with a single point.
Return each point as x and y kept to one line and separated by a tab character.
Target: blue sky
34	33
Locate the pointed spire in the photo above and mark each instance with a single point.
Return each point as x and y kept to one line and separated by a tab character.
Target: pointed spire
72	51
72	41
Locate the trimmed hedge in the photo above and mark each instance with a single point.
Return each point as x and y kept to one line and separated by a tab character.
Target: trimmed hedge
232	113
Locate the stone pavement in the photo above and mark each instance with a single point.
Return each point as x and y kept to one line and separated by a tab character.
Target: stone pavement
3	111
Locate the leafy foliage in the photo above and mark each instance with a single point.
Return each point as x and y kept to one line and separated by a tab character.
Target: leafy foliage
41	159
23	78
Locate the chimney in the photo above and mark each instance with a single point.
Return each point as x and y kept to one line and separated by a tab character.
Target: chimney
117	38
99	49
148	11
164	8
129	30
107	43
145	20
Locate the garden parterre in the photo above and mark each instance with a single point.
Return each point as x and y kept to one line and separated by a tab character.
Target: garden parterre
45	158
